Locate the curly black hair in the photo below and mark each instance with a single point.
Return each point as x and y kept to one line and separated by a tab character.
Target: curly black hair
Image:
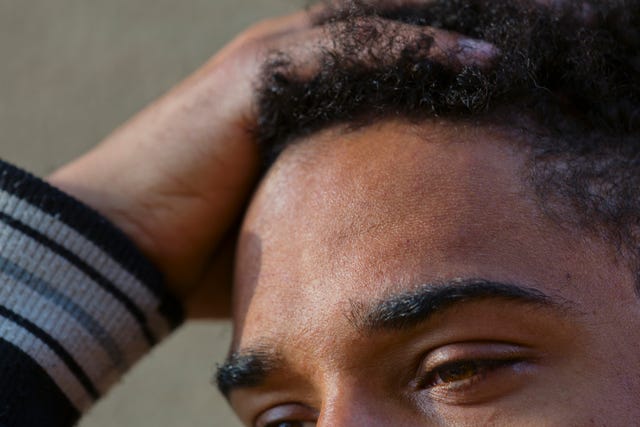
566	79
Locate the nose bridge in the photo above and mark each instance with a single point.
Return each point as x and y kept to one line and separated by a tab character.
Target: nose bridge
344	412
352	405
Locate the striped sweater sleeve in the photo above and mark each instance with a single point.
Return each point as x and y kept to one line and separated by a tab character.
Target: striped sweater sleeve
79	304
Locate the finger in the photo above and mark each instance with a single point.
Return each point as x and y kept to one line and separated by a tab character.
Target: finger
260	33
461	50
376	39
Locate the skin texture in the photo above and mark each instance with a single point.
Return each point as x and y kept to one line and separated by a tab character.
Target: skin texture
346	219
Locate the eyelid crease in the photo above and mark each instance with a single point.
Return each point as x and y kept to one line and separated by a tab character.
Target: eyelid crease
490	356
493	376
475	350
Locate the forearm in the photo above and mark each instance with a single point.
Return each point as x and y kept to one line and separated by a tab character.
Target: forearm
78	304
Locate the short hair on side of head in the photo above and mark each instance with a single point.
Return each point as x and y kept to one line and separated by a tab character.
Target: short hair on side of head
565	80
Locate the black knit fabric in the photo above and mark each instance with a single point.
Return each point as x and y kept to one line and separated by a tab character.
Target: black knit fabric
28	397
79	303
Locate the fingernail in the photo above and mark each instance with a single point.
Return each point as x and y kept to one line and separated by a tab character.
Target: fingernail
475	50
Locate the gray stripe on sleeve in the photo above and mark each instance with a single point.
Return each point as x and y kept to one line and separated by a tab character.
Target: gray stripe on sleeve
51	227
77	312
71	282
63	328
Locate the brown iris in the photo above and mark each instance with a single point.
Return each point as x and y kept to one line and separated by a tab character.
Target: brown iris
459	371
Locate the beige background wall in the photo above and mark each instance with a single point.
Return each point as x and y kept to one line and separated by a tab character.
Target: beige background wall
71	71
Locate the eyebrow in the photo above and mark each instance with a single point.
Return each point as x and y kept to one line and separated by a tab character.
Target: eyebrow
409	309
252	367
243	369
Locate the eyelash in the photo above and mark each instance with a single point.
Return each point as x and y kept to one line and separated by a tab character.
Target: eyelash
434	377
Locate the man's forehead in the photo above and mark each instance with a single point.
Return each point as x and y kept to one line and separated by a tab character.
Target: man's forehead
357	179
368	209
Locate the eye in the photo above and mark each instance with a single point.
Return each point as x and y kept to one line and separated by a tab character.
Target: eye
468	373
465	372
289	415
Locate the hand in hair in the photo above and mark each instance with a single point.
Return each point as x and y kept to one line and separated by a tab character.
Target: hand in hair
176	177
